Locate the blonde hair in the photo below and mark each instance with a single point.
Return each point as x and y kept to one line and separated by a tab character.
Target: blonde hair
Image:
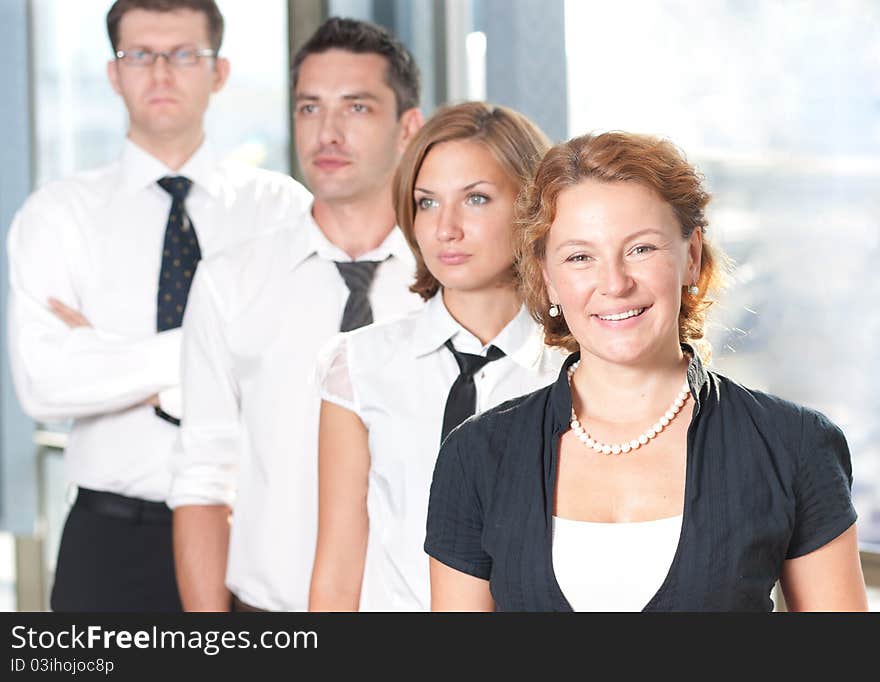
514	141
615	157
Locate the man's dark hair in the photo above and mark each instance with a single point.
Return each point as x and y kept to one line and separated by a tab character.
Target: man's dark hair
363	37
207	7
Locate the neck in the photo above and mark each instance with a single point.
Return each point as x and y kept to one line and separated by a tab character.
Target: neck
171	150
627	393
357	226
483	313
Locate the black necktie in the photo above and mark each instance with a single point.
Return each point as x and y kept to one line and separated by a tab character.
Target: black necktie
358	276
180	255
462	400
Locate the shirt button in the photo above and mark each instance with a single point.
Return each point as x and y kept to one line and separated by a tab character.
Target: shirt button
482	375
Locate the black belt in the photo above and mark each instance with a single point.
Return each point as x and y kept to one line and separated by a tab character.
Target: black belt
122	507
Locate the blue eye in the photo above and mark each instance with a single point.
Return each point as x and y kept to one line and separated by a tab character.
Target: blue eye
476	199
308	108
425	203
184	55
138	56
579	258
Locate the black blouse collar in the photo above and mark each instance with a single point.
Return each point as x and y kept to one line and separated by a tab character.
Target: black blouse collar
560	393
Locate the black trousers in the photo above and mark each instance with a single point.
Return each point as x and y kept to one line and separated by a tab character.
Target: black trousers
116	555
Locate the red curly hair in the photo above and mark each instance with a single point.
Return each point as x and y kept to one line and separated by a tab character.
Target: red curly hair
614	157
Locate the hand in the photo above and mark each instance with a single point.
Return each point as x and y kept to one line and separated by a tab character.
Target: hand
72	318
153	400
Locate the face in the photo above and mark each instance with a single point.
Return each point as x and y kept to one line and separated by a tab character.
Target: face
165	101
464	217
348	136
616	262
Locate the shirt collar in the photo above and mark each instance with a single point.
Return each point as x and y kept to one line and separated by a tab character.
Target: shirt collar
311	241
140	169
521	339
560	392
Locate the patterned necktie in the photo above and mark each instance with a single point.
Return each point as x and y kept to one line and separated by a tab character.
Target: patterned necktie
462	400
180	255
358	276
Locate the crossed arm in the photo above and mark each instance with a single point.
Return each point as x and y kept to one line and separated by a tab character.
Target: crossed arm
63	366
73	319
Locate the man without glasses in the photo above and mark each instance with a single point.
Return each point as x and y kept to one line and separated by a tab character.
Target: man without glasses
101	264
258	316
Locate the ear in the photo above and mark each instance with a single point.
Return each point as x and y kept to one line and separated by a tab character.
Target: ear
551	292
113	76
410	122
695	253
221	73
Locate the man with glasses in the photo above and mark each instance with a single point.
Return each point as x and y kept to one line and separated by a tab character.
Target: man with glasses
101	265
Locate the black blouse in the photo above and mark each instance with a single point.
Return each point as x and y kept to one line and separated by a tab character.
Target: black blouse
766	481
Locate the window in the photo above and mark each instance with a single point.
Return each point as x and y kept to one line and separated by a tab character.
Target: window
777	103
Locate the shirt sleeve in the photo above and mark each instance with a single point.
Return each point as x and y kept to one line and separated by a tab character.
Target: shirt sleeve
61	372
171	401
455	511
333	373
824	506
206	459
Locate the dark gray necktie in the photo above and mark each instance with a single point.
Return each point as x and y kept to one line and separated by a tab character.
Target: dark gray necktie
180	255
462	400
358	276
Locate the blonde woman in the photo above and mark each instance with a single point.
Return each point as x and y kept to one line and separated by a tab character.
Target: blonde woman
392	391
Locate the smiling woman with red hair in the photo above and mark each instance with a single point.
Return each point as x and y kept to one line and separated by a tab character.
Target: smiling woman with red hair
640	480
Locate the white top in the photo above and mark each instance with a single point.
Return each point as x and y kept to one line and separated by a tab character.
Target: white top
255	321
613	566
94	241
396	377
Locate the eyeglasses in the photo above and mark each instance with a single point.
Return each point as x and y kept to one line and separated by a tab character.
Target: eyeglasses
181	56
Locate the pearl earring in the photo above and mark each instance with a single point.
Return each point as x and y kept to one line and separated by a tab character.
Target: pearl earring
554	310
693	290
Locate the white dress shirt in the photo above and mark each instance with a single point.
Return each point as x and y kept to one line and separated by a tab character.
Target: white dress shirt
256	318
94	241
396	377
613	566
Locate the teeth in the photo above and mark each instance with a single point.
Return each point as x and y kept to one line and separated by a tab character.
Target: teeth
622	316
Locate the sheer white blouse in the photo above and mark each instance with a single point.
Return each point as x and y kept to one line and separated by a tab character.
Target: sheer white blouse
396	376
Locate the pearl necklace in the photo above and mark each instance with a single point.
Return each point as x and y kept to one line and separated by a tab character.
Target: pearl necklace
637	442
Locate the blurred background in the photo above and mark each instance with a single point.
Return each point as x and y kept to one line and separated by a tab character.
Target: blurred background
776	101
